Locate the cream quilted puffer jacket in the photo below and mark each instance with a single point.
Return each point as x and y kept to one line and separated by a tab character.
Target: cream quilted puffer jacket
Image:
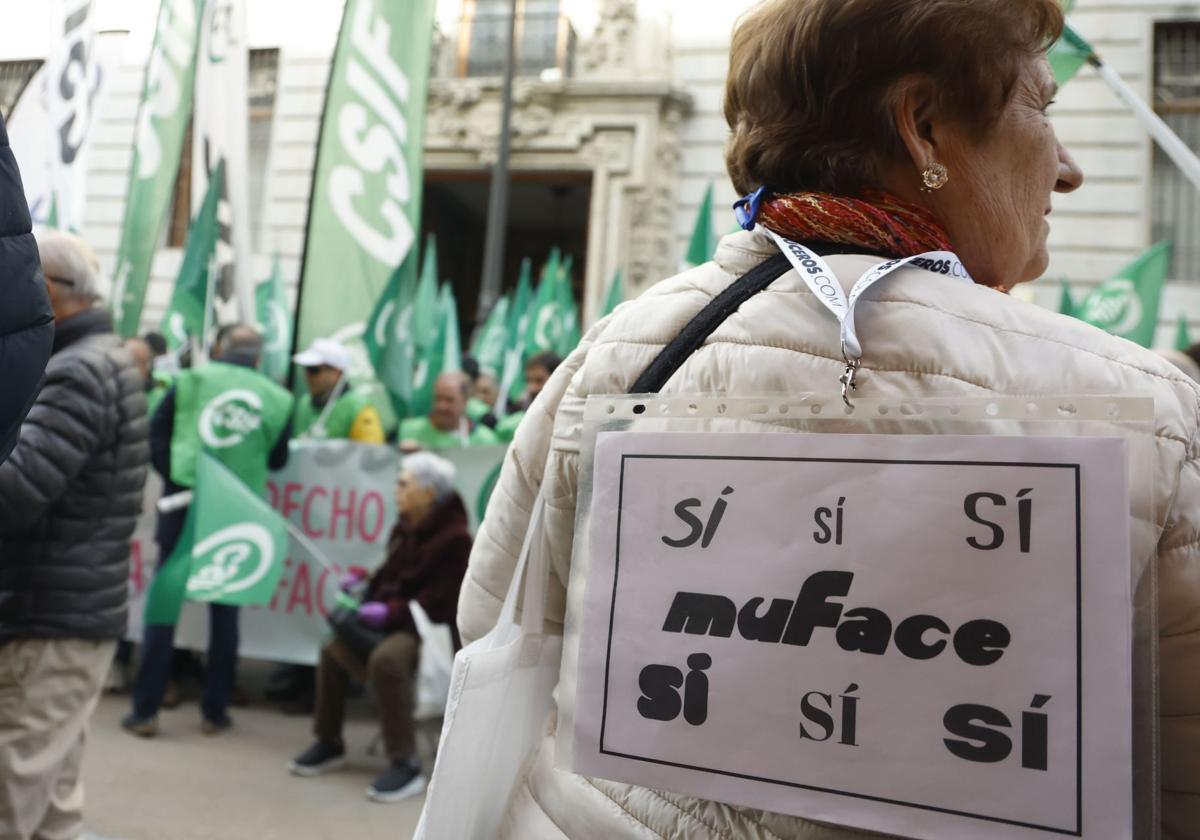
923	334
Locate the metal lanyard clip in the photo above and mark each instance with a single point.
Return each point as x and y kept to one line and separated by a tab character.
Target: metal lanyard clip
848	378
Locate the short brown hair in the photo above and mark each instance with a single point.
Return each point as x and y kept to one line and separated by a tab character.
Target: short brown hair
811	82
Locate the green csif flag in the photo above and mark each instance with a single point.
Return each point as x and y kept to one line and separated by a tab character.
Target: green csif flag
614	297
1066	304
163	114
491	340
271	309
426	327
449	335
568	311
703	244
1068	54
191	301
1183	338
365	210
545	328
389	341
1128	304
231	551
512	377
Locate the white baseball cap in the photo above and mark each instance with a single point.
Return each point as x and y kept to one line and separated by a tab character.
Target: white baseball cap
324	351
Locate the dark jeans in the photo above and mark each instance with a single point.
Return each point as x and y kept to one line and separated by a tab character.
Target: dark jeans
158	644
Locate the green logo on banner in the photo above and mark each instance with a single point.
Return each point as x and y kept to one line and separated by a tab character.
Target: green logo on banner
233	559
1115	308
229	417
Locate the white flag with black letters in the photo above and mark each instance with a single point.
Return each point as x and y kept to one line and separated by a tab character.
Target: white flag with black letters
220	130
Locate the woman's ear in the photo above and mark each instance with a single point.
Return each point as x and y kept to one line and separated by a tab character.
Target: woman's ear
913	114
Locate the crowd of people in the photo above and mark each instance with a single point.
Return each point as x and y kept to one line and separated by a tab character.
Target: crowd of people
861	142
101	412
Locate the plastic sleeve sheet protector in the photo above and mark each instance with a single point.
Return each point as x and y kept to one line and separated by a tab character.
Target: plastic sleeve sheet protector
705	424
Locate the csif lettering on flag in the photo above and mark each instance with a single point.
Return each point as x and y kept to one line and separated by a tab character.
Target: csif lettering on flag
366	201
163	114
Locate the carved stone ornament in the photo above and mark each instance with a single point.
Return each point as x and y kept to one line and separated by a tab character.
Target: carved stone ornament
610	49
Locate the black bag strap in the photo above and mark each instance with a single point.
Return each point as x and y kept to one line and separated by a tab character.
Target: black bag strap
705	323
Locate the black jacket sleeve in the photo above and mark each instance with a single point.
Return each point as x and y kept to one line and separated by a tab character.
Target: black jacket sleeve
162	429
63	430
278	458
26	320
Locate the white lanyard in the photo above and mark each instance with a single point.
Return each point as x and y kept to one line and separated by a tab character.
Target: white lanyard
824	284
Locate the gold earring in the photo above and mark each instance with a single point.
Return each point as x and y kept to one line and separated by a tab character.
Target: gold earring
935	177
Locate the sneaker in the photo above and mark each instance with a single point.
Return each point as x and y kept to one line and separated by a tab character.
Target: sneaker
400	781
140	726
321	757
216	727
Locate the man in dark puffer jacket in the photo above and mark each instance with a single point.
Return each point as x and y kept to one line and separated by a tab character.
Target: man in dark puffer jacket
26	321
70	494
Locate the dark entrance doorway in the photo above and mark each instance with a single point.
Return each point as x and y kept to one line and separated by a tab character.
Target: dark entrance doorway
546	209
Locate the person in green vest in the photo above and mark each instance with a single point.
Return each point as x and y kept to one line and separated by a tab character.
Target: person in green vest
229	410
538	368
447	426
331	408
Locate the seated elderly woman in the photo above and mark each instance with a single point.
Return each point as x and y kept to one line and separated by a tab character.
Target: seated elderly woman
876	129
426	558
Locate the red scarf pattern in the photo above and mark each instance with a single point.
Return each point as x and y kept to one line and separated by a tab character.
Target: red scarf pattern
878	222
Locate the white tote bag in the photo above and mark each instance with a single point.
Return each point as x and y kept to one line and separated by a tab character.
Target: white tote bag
435	666
500	693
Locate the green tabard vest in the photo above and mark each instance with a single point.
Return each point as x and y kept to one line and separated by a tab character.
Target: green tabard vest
431	437
507	427
337	424
234	413
477	409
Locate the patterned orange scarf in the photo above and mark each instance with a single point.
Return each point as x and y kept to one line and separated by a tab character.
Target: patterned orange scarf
878	222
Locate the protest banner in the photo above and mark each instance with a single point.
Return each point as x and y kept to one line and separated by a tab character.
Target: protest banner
924	635
340	496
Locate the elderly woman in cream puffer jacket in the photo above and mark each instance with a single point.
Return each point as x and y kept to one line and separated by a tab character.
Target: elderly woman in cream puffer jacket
936	176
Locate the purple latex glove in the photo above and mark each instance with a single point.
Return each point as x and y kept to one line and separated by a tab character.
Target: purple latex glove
349	580
373	614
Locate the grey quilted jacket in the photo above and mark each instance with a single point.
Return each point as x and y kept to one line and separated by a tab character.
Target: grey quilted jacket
71	491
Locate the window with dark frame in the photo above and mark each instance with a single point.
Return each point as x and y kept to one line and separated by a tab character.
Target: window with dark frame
544	38
1175	201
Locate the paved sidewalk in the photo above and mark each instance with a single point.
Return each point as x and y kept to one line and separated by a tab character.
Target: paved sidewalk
184	785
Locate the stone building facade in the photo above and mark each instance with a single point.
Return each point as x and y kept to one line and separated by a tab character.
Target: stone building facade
615	141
